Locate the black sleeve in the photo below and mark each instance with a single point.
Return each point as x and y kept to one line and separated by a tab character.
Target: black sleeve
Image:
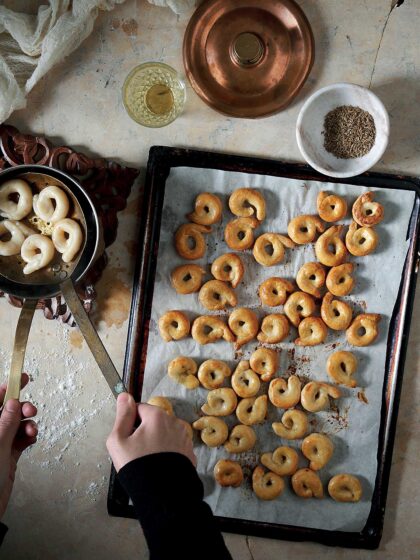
3	531
167	494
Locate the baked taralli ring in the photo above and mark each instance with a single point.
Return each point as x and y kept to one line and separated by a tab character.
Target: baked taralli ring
228	268
215	295
37	251
315	396
274	328
318	449
242	438
220	402
244	324
163	403
208	328
228	473
247	202
252	411
245	382
51	204
341	366
9	207
307	484
284	393
340	281
16	237
303	229
336	314
189	241
213	430
361	241
312	331
183	370
212	373
273	291
266	485
264	362
269	248
366	212
67	237
345	488
310	278
187	278
207	210
174	325
294	425
298	306
283	461
330	248
239	233
363	330
331	207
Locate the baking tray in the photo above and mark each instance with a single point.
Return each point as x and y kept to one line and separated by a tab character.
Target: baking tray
161	160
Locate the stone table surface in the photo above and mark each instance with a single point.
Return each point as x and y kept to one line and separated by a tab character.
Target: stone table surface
58	507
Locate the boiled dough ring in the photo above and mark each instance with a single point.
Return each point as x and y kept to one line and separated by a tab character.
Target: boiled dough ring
269	248
318	449
244	324
37	251
207	210
173	325
336	314
264	362
294	425
341	366
339	279
209	328
214	431
273	291
361	241
215	295
366	212
363	330
252	411
283	461
247	202
266	485
312	331
212	373
345	488
229	268
183	370
245	381
187	278
8	207
13	245
299	305
329	247
242	438
331	207
51	204
67	237
307	484
220	402
274	328
228	473
239	233
310	278
163	403
303	229
284	393
189	241
315	396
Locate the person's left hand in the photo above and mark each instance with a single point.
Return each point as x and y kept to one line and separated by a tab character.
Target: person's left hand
17	432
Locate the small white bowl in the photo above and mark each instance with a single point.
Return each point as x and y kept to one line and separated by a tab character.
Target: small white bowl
310	125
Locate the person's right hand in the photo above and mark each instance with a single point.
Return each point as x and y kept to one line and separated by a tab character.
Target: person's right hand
157	433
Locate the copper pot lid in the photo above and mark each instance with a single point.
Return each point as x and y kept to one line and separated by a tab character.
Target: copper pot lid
248	58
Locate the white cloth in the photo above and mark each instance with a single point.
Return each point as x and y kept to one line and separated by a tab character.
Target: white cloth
177	6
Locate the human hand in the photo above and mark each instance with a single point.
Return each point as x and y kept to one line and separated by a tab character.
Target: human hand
17	432
157	433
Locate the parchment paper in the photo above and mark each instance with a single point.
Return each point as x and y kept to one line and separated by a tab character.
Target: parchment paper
352	424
